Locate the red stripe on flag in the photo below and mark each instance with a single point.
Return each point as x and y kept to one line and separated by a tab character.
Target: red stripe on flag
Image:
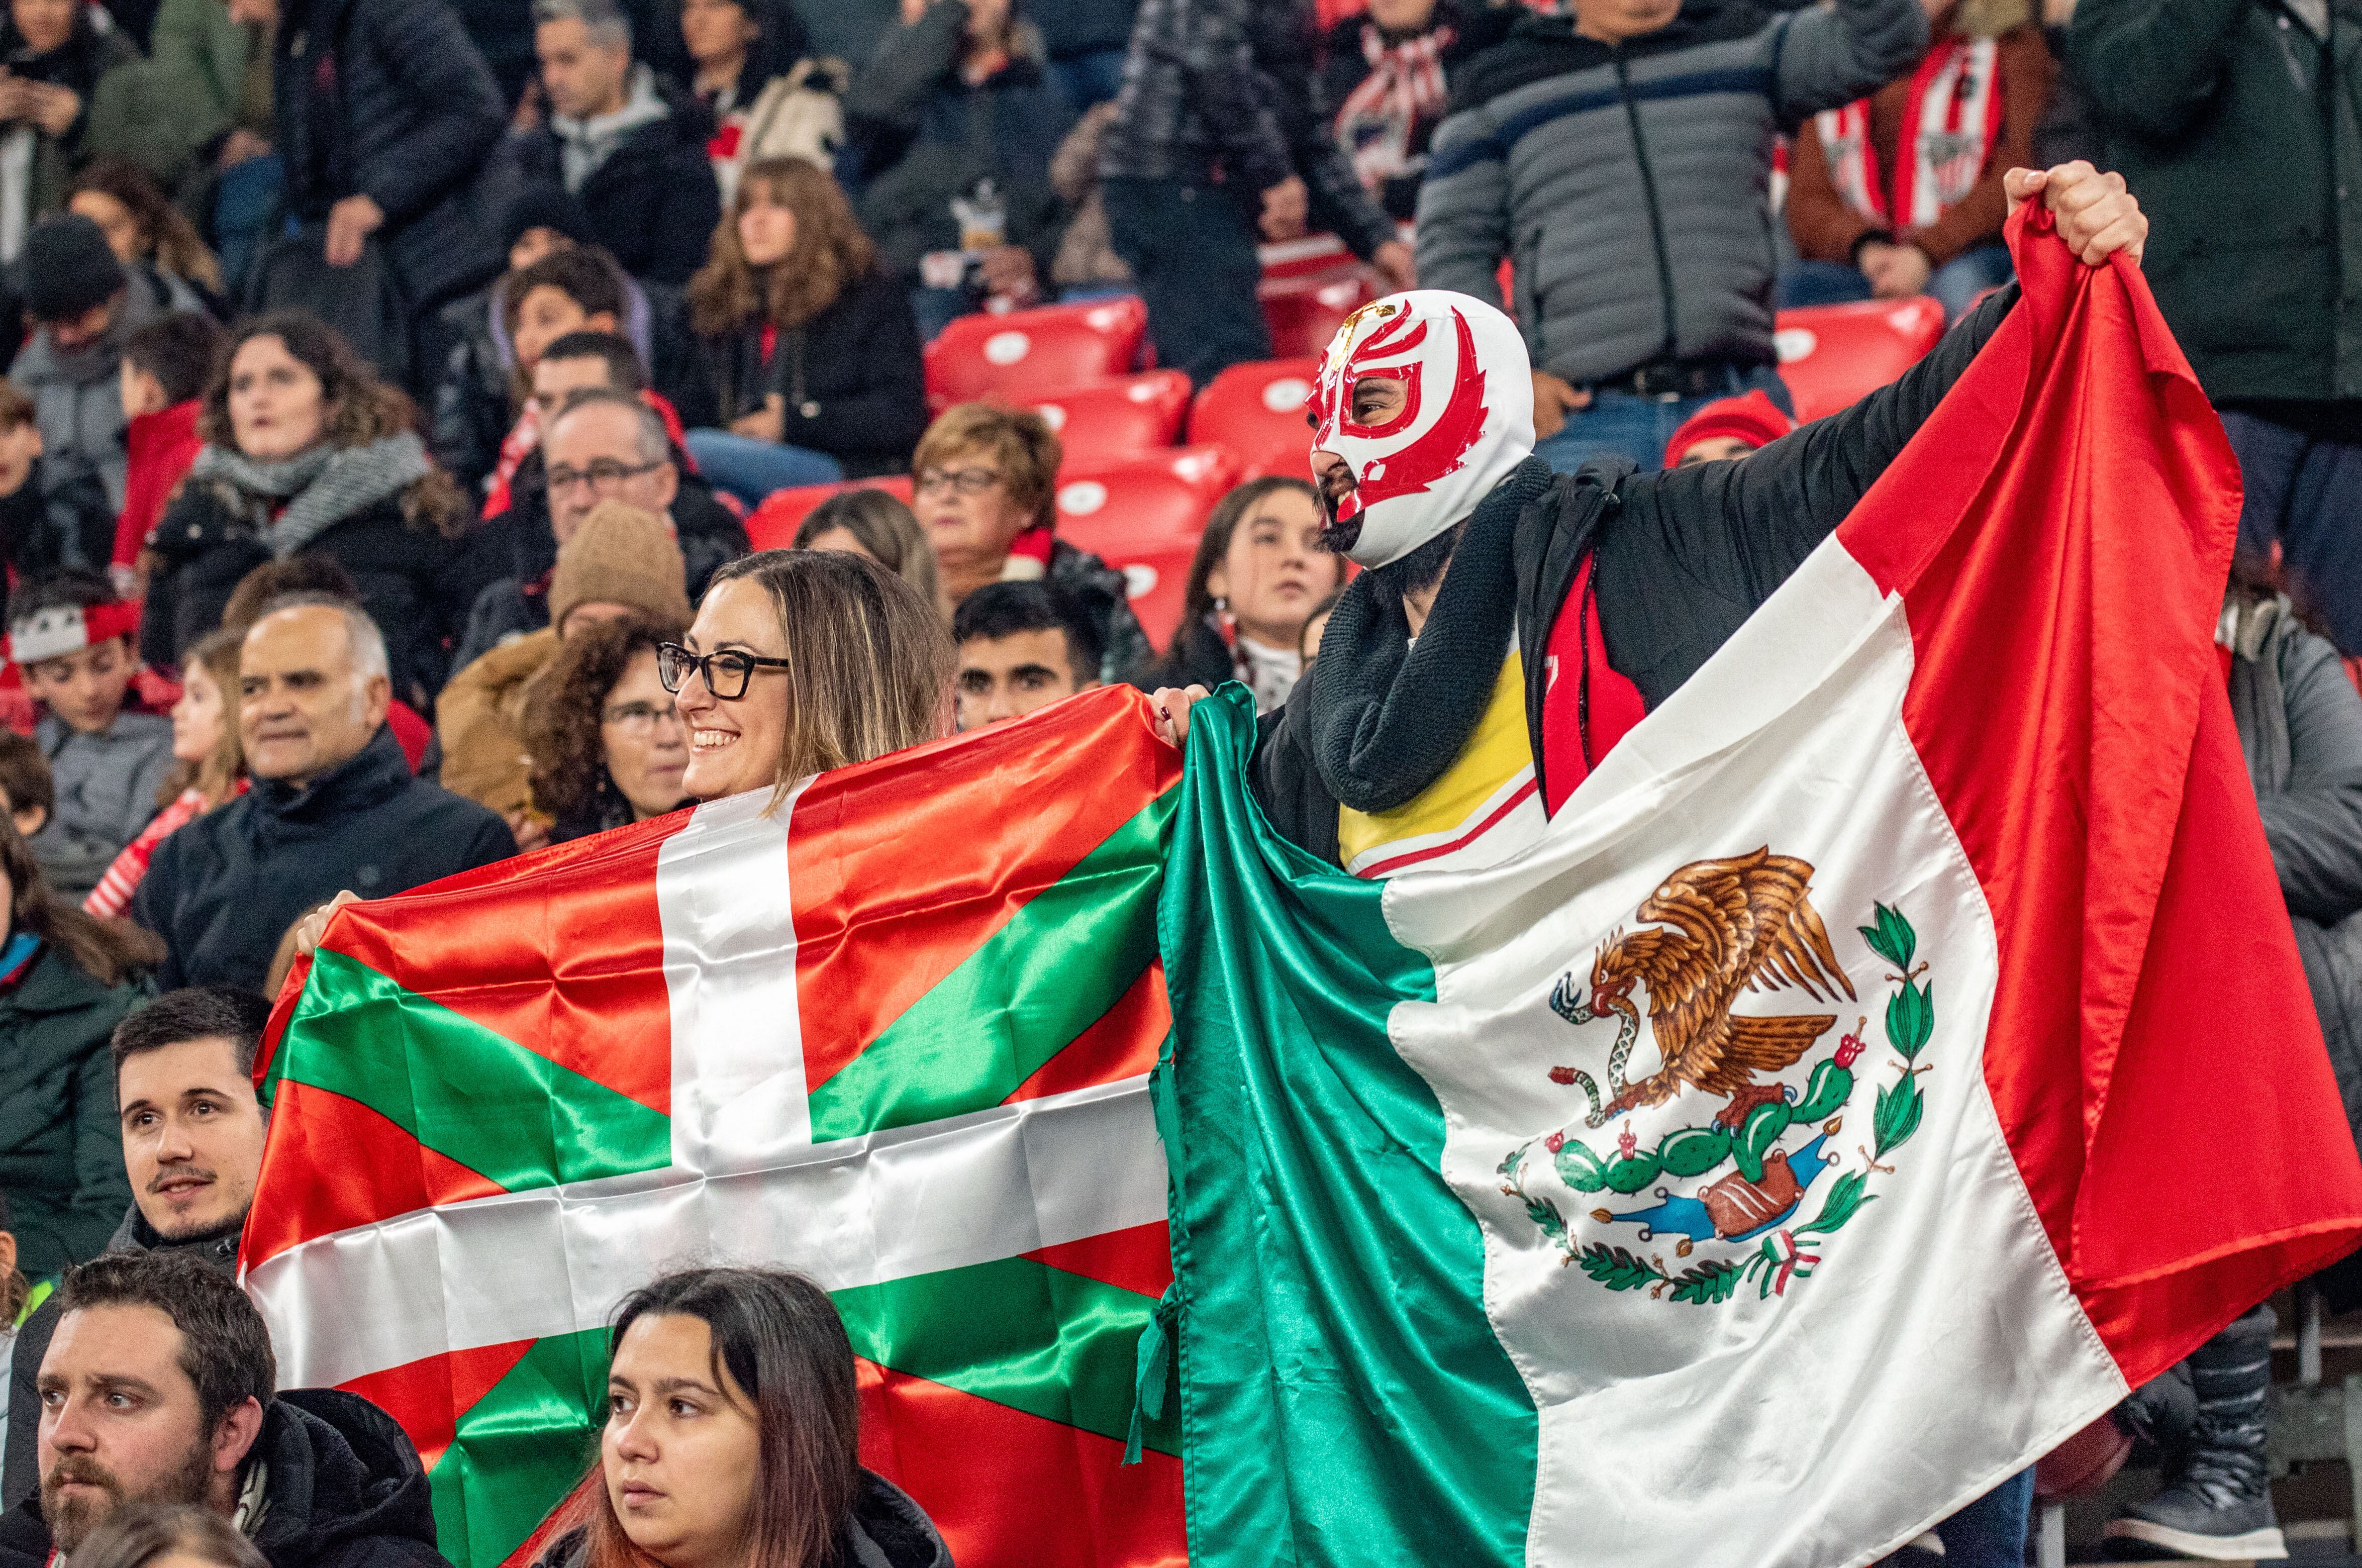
1138	1258
899	870
337	1164
1122	1044
1013	1490
570	968
428	1395
2060	531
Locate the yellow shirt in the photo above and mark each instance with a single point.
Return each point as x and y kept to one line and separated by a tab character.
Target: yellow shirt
1485	806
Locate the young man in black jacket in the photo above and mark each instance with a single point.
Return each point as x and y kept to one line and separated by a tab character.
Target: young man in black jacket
318	1478
1424	457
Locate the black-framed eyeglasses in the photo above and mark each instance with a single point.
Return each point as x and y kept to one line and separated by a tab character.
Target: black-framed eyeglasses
725	674
603	475
968	481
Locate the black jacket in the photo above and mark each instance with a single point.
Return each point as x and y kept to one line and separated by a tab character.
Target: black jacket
1474	28
1683	558
653	201
926	135
1230	83
23	1475
223	889
473	402
888	1530
60	1145
506	576
344	1489
851	379
412	578
389	99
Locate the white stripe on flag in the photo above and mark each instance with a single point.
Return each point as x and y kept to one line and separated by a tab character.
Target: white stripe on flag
964	1190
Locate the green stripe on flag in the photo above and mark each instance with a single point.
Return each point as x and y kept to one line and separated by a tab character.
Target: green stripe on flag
512	1115
521	1449
1052	972
1343	1398
1015	1332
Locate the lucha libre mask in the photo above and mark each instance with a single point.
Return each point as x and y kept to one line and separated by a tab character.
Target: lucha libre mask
1467	419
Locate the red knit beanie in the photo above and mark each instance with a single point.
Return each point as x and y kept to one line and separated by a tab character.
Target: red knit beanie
1754	419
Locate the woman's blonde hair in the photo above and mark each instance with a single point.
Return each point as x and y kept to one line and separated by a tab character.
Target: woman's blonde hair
1020	440
829	253
869	662
888	530
218	773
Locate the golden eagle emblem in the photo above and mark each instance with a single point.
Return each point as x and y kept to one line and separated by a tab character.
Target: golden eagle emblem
1721	927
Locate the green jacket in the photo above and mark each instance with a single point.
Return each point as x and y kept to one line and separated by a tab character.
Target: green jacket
168	112
2240	130
60	1149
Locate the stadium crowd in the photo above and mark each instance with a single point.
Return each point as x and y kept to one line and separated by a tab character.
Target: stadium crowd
398	392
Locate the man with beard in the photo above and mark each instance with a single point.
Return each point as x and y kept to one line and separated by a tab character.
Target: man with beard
193	1135
1514	624
157	1387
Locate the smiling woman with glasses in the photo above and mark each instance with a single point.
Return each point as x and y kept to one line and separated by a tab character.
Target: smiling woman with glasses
800	661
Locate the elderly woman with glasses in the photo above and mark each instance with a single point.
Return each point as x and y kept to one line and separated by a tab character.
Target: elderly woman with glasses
800	661
985	481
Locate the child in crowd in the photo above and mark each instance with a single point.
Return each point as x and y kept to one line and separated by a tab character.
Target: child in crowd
574	289
26	792
166	365
1726	428
209	771
73	638
43	524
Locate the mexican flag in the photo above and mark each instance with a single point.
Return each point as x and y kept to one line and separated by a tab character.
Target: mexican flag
1894	1053
895	1035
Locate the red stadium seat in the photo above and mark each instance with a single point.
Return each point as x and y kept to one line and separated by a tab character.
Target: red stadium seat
1117	418
1030	353
1831	356
773	525
1301	258
1144	516
1256	413
1305	313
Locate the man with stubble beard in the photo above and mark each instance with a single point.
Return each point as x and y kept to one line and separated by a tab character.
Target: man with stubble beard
192	1134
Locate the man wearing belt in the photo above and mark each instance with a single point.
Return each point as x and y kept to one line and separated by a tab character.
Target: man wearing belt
1620	159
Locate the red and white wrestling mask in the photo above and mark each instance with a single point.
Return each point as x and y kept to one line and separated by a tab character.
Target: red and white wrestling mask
1445	411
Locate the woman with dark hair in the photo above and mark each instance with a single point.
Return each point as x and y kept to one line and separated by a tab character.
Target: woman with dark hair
874	523
65	981
814	352
733	1437
607	744
167	1535
52	56
1259	574
157	245
211	770
800	661
307	449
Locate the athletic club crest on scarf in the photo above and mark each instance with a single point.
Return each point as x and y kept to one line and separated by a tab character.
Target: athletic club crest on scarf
1466	421
1950	124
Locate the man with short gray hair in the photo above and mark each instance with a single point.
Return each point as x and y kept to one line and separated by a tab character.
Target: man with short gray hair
334	805
621	142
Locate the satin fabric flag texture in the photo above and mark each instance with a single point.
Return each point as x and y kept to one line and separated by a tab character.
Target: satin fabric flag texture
1892	1054
895	1034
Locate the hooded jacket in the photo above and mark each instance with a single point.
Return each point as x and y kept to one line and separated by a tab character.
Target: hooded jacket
1629	182
22	1475
225	888
1681	559
641	174
60	1151
342	1487
888	1530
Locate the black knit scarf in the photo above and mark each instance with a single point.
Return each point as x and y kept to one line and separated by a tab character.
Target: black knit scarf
1389	716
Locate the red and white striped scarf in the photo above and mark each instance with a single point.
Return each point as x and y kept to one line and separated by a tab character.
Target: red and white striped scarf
1378	122
1948	130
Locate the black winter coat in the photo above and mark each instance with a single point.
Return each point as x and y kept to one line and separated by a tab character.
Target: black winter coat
1682	556
134	1235
851	380
389	99
61	1148
412	578
888	1530
345	1490
2300	722
1344	67
223	889
652	202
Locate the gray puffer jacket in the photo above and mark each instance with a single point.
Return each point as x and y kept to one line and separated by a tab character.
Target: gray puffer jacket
1630	182
2300	722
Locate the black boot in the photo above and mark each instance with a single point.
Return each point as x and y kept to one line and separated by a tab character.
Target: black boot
2219	1504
